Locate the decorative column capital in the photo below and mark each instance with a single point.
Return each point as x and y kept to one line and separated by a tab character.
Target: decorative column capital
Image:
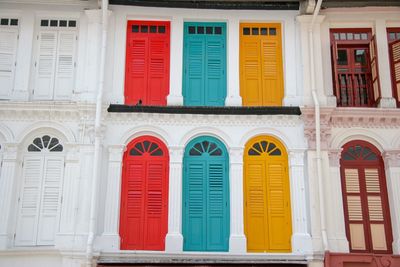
236	155
392	158
334	157
116	152
72	152
10	151
296	157
176	154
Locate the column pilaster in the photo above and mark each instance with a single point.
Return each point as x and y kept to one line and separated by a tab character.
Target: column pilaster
110	238
387	100
237	240
392	165
301	239
174	238
7	192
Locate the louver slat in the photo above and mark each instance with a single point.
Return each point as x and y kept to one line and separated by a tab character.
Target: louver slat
372	180
272	75
65	65
215	92
194	72
50	203
8	50
26	232
251	88
376	91
352	181
136	72
158	71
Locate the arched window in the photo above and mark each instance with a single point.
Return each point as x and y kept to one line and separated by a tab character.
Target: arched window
365	199
268	225
40	195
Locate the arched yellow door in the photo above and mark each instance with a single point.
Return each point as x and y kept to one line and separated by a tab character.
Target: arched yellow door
268	224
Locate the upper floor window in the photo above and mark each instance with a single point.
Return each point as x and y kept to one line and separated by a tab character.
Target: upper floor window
54	62
355	70
147	63
394	54
8	53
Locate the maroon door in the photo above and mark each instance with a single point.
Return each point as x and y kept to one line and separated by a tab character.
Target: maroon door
147	63
365	199
144	195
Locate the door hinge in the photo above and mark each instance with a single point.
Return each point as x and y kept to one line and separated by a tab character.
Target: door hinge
19	199
33	91
15	235
37	37
35	63
74	64
61	199
17	36
22	164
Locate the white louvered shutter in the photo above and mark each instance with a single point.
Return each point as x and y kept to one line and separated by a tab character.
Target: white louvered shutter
8	51
50	200
29	202
65	65
45	65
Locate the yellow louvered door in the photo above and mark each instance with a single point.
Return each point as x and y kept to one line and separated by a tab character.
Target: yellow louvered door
268	226
261	69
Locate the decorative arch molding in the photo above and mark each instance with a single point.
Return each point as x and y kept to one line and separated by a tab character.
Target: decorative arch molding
136	132
348	135
280	136
206	131
64	134
6	135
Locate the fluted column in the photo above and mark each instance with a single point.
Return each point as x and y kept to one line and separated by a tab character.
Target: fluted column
110	238
237	240
174	238
337	238
65	237
392	165
301	239
7	192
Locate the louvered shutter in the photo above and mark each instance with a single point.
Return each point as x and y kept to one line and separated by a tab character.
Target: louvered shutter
376	91
29	202
158	77
217	201
156	206
194	71
65	65
194	226
251	72
136	71
134	205
50	200
8	50
394	49
45	65
272	73
353	201
256	210
215	80
278	203
335	77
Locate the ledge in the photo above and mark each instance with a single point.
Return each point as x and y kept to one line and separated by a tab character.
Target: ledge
125	258
114	108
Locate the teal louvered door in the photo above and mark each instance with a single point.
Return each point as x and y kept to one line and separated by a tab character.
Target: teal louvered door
204	56
205	196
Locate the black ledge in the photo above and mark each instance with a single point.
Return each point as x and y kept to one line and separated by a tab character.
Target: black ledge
115	108
214	4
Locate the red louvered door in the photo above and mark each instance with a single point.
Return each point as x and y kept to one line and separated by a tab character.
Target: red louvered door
365	199
394	50
147	63
144	198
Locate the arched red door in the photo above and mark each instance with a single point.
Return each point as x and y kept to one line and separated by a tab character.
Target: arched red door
365	198
144	195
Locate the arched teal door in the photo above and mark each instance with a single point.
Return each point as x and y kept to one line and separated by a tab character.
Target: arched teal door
205	196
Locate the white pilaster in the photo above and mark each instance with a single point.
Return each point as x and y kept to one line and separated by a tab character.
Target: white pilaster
7	183
301	239
387	100
110	239
333	189
174	238
175	97
237	240
233	97
66	235
392	165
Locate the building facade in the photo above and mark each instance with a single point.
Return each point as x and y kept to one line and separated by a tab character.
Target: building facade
199	133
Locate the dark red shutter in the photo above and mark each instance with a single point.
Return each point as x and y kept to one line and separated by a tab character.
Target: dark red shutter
147	63
144	195
376	90
334	70
394	51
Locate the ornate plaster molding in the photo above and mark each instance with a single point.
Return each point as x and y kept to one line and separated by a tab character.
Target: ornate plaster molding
116	152
236	155
176	154
392	158
334	157
296	157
